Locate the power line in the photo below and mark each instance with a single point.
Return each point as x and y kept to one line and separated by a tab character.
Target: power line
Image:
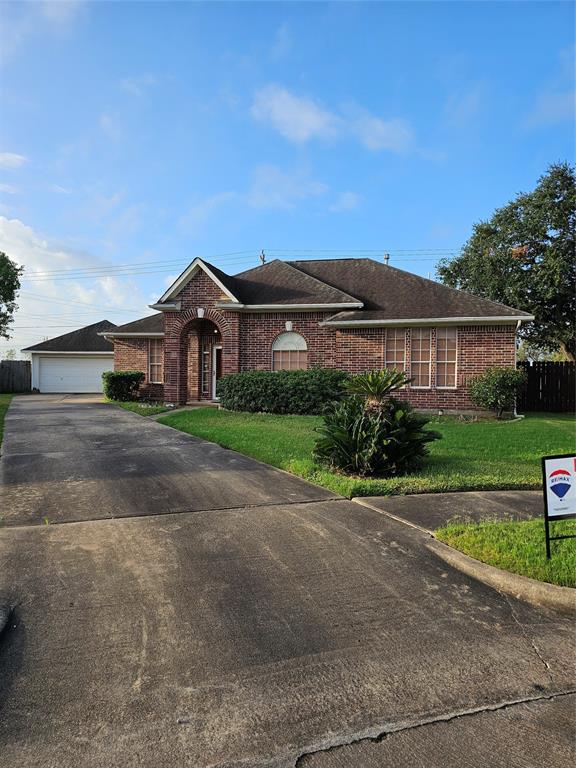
79	303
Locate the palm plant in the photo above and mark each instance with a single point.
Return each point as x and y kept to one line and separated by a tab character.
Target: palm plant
375	386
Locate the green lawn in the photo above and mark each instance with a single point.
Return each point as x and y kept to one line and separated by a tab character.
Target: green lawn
472	454
144	409
518	547
4	403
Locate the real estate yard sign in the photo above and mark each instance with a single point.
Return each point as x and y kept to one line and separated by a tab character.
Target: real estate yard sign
559	479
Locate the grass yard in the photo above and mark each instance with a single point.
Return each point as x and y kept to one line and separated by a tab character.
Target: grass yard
473	455
518	547
144	409
4	403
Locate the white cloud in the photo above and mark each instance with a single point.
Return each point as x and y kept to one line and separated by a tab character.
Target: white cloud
101	297
198	213
60	190
9	160
22	22
272	188
553	107
300	119
282	44
61	11
138	85
297	119
465	105
347	201
9	189
110	127
376	134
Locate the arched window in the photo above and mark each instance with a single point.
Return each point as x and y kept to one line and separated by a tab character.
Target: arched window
289	352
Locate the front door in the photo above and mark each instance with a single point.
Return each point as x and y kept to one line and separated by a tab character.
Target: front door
216	368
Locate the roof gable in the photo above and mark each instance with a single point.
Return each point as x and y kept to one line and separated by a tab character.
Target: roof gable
221	279
87	339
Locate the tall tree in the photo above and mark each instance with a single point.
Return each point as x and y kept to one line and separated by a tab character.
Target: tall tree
9	286
524	256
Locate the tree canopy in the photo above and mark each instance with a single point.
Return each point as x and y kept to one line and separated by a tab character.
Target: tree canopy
524	257
9	286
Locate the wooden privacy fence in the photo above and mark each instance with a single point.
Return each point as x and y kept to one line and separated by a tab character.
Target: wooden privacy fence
15	376
549	387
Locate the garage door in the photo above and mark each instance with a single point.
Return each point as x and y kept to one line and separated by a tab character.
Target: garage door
73	374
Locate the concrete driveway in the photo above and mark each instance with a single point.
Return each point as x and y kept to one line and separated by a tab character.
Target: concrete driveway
67	458
256	635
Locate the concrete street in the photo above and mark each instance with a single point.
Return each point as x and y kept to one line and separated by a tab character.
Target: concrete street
200	609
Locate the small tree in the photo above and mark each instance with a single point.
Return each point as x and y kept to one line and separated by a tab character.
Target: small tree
496	389
370	433
9	287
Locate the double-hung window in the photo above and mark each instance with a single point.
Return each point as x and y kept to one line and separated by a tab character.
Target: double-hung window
446	355
420	353
395	351
155	348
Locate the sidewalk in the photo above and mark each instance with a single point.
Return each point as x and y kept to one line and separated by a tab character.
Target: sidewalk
433	510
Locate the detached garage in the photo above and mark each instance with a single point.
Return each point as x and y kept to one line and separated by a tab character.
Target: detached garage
74	362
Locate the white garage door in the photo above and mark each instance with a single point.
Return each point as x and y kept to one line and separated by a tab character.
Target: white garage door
73	374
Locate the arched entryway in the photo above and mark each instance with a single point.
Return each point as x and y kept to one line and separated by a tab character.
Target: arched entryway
202	343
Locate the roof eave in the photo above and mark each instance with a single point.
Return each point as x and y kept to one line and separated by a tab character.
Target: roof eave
174	306
135	335
237	307
31	351
481	320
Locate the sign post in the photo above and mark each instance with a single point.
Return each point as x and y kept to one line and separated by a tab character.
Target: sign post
559	481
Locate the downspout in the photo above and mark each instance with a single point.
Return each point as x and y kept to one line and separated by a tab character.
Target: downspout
518	322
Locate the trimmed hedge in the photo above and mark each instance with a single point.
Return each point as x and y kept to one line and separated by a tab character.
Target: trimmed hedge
122	385
297	392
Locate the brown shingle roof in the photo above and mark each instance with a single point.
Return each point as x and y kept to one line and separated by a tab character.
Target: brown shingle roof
83	340
280	282
393	294
151	324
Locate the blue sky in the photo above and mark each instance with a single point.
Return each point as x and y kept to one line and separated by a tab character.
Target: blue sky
149	133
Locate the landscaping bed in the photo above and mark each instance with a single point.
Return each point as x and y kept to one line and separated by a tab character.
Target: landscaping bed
473	455
144	409
518	547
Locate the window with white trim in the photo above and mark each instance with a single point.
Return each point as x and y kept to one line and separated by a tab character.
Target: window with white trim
395	350
420	352
155	349
446	355
289	352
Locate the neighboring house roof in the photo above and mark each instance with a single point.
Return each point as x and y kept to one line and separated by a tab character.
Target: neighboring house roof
87	339
153	325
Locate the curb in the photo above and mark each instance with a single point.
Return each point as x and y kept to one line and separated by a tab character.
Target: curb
540	593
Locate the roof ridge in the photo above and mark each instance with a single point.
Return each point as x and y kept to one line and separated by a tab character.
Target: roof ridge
322	282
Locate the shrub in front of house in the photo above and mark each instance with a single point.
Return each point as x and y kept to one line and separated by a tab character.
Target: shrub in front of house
122	385
496	389
370	433
297	392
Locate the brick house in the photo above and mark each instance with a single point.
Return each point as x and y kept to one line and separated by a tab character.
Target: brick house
354	314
